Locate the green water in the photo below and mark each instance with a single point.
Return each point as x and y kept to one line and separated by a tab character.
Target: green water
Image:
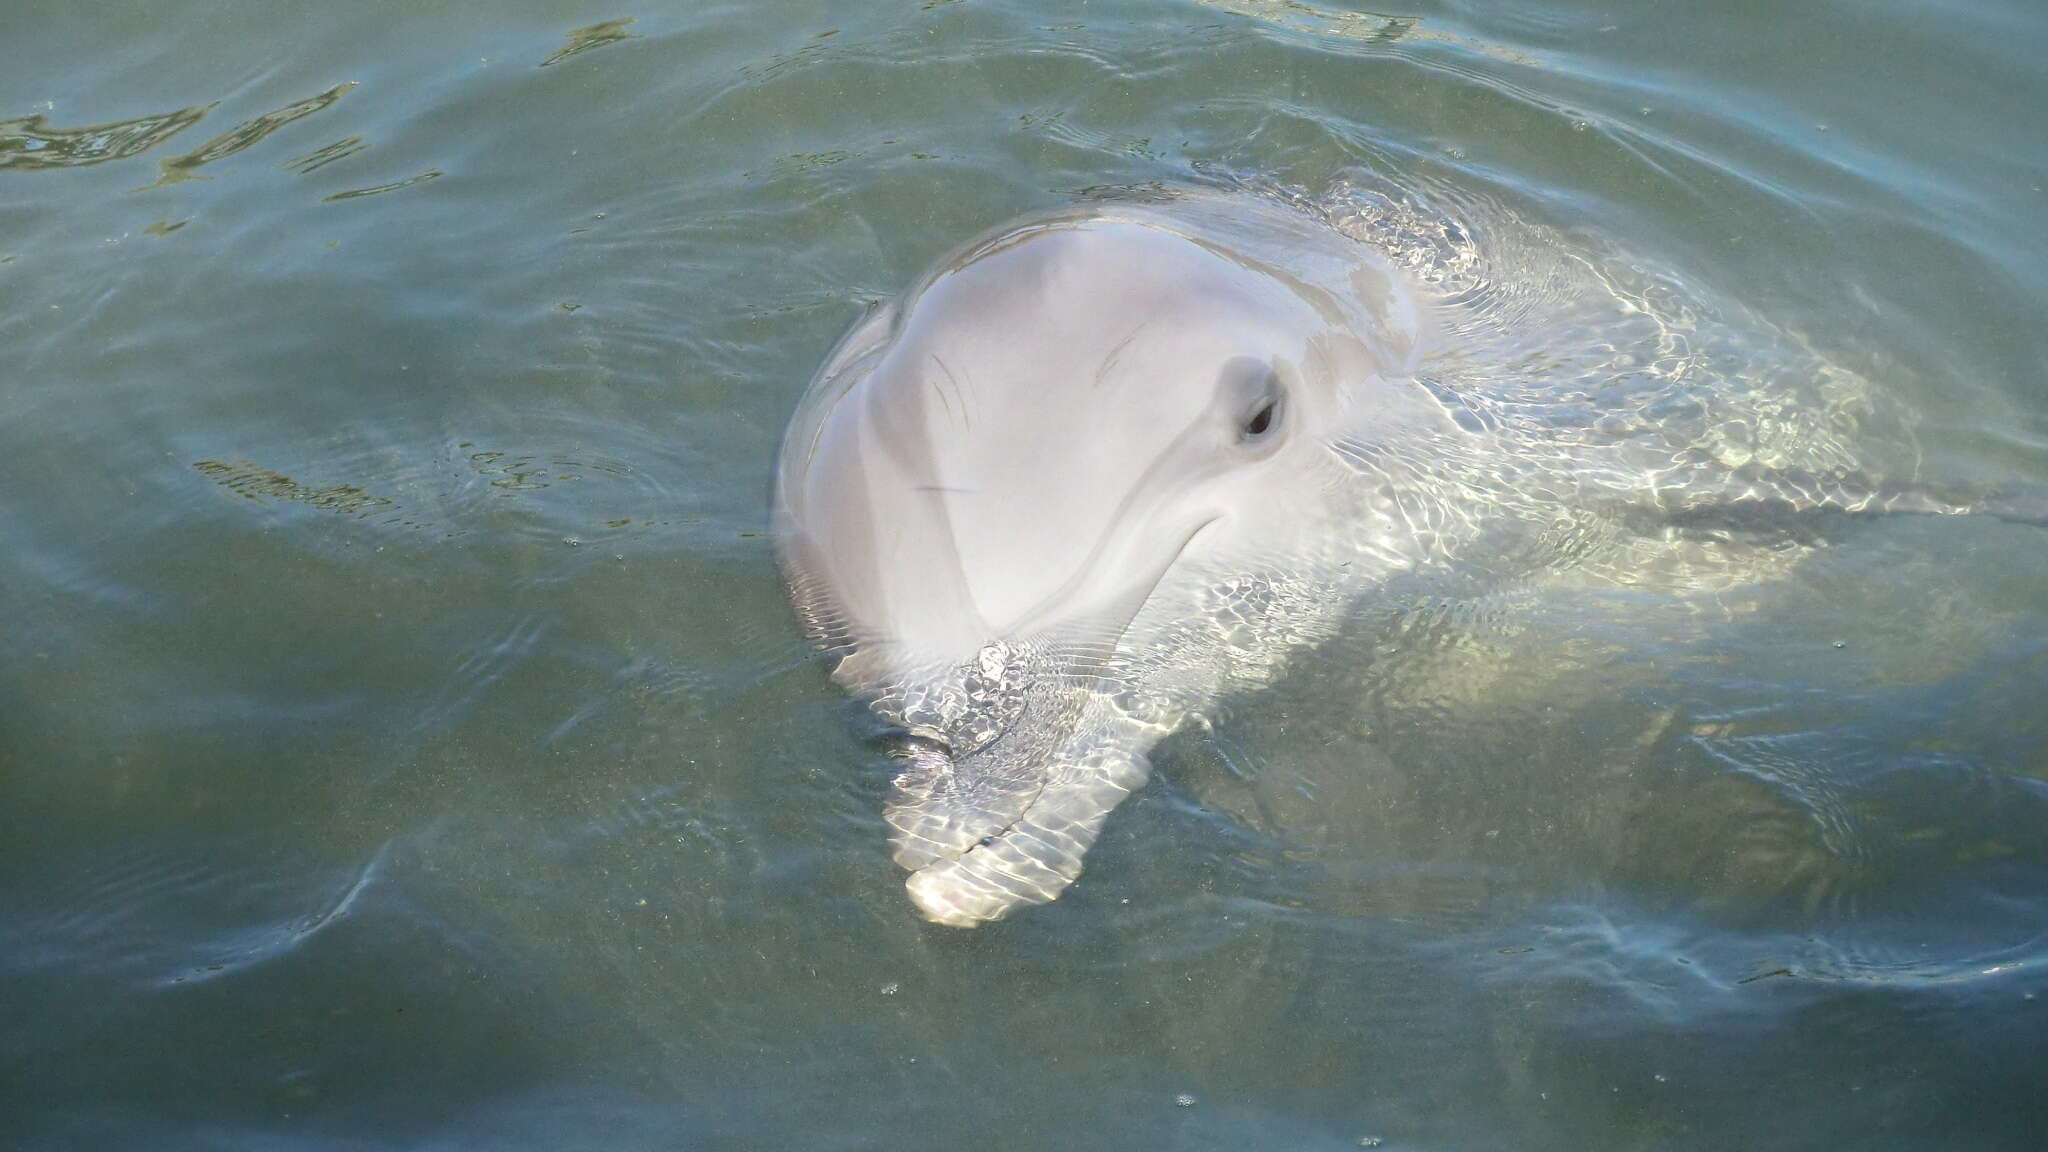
404	741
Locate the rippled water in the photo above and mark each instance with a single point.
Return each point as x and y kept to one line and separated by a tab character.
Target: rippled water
404	740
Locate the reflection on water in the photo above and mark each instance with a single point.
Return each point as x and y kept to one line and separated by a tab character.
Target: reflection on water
263	486
321	157
595	36
1371	30
180	168
355	193
459	491
522	472
29	144
534	820
1367	27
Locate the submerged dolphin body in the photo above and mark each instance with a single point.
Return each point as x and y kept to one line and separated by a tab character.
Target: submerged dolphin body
1101	468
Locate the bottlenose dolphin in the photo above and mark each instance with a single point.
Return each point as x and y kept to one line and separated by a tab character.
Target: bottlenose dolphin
1102	467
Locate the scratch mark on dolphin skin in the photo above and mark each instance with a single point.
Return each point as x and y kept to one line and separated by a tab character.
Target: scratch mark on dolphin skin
1109	362
966	421
940	392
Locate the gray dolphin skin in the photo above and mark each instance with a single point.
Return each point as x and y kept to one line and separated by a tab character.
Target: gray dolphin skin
1073	485
1101	468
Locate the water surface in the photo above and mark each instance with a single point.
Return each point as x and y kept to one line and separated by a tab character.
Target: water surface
404	741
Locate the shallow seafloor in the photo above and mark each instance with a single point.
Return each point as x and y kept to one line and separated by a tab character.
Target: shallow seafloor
404	742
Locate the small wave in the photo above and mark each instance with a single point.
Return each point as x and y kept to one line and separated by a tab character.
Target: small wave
564	497
319	158
481	668
1355	31
242	136
177	916
264	486
595	36
244	948
380	189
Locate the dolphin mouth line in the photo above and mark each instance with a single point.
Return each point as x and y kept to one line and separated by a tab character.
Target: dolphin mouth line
945	854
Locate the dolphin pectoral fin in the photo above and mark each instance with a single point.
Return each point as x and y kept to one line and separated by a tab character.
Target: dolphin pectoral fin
1034	859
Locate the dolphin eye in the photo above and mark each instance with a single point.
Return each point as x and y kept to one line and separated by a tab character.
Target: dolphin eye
1251	394
1261	413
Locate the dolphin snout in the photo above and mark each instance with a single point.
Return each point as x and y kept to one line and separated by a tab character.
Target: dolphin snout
943	806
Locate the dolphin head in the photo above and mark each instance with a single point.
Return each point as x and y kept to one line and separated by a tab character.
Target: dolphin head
990	478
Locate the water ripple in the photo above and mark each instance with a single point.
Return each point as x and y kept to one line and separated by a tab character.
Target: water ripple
1358	32
379	189
263	486
321	157
569	497
594	36
246	947
244	135
29	144
482	667
178	916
